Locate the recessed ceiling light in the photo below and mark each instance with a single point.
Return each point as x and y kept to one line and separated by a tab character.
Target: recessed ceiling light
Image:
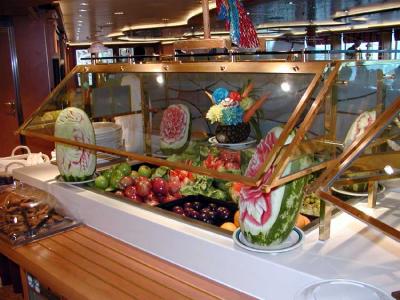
80	21
291	3
165	20
118	13
84	3
109	23
83	10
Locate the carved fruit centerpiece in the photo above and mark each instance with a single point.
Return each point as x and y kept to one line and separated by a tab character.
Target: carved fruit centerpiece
233	112
268	218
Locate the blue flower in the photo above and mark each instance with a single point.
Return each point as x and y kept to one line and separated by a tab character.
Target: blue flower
220	94
232	115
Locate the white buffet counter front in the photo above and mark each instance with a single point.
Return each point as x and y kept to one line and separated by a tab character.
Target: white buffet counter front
354	250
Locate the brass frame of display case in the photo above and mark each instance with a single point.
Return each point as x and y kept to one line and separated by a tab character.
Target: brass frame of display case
334	167
315	68
337	167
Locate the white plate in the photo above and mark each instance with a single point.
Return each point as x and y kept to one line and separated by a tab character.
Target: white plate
59	178
102	128
341	289
381	189
294	240
159	154
237	146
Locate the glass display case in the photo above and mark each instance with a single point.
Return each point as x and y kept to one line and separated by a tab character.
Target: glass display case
314	105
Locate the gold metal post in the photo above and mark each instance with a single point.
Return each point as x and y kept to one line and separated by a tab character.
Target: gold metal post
372	193
206	19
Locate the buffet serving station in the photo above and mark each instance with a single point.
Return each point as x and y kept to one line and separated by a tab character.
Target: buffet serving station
337	125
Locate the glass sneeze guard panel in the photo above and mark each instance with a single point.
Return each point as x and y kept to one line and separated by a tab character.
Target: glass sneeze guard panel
135	96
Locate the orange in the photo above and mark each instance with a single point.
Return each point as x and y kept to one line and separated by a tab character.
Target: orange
228	226
302	221
236	219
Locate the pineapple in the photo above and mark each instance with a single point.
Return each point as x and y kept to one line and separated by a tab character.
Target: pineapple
231	134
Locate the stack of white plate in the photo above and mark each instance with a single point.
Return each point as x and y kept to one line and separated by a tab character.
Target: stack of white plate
108	135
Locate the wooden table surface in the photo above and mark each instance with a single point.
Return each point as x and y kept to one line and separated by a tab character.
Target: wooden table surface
86	264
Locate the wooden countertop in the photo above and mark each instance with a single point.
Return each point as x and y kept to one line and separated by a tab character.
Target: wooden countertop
86	264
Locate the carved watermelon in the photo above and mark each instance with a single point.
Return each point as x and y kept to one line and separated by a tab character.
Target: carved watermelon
268	218
74	163
175	129
359	126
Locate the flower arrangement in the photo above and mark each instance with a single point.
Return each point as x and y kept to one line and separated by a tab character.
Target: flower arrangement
234	110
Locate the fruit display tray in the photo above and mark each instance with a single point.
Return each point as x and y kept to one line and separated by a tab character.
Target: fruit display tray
205	202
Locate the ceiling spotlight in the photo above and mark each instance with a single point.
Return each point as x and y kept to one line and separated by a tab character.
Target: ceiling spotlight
109	23
388	170
285	86
165	20
118	13
291	3
160	79
84	3
80	21
83	10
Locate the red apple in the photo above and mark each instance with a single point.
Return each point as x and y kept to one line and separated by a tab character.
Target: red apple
159	186
143	187
129	191
125	182
136	198
174	185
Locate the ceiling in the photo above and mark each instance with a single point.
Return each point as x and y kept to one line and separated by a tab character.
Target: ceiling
152	20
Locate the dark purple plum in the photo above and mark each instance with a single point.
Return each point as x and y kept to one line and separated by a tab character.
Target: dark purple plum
194	215
177	209
212	206
212	215
188	210
205	210
196	205
187	205
224	215
222	210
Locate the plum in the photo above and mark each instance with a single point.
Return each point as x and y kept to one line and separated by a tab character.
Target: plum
212	206
187	205
212	215
205	210
177	209
196	205
194	215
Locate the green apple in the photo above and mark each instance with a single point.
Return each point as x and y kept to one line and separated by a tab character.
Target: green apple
145	171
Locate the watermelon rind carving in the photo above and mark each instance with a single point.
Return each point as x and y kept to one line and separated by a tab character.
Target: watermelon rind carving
74	163
175	129
360	124
268	218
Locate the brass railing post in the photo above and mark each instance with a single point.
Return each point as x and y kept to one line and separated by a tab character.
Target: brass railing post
372	193
325	217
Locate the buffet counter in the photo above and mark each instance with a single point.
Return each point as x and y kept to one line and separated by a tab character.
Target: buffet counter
354	251
85	264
